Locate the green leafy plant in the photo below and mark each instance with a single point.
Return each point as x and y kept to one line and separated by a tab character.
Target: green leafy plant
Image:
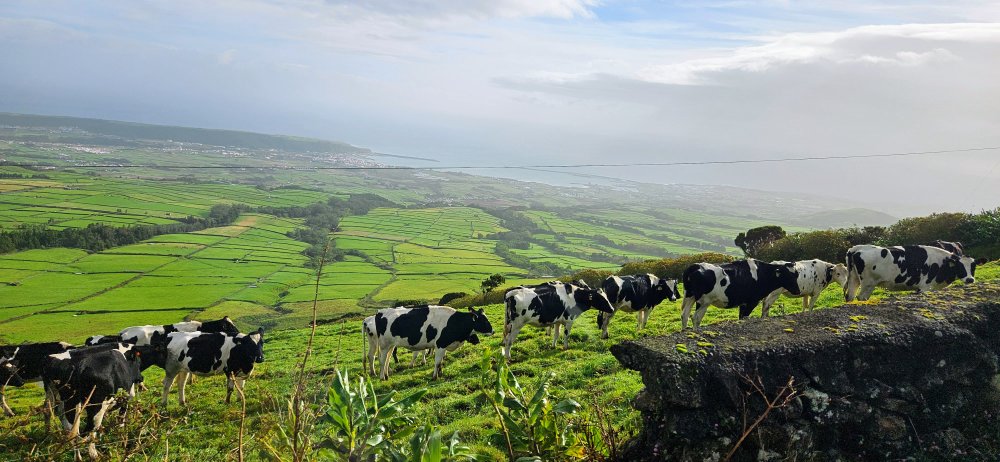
363	424
534	426
427	445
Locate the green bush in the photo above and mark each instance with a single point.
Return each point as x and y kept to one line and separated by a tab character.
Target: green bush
673	268
828	245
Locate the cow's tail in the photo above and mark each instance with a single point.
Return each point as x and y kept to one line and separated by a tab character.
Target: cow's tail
509	303
364	348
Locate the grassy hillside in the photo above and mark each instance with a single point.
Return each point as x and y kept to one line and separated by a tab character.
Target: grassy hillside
585	372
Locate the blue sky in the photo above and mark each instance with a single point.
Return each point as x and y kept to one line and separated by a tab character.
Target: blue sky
515	81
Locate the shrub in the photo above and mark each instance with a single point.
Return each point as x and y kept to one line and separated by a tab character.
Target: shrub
672	268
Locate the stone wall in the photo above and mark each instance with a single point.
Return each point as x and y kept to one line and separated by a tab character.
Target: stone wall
915	375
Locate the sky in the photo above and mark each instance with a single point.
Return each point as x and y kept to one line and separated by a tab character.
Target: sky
515	82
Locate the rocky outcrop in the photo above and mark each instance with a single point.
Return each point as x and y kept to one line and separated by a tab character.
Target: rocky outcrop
910	375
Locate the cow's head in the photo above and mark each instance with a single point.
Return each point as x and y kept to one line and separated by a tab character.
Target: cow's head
222	325
9	374
593	298
964	268
256	341
787	277
154	354
838	274
480	323
668	287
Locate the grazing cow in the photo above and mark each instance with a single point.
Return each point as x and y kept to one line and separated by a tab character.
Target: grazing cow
143	335
814	276
24	364
910	267
211	353
953	247
87	379
368	329
640	293
424	327
552	304
740	284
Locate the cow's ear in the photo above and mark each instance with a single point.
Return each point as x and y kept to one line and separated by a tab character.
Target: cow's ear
981	261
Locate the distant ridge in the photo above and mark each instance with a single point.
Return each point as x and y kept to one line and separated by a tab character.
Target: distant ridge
213	137
845	217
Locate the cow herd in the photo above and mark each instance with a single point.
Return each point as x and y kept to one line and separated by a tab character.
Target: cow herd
742	284
91	377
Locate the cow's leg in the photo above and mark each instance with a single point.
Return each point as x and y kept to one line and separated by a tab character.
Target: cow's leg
181	385
438	358
604	320
566	329
745	310
426	352
765	309
168	381
95	420
509	340
686	311
866	290
644	317
230	384
853	281
699	313
808	301
555	334
370	357
71	420
383	360
3	402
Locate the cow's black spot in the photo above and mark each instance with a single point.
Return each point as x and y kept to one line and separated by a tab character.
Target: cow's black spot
380	324
885	253
431	332
547	308
409	324
205	352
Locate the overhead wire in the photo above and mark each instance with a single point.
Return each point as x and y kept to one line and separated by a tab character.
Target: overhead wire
527	166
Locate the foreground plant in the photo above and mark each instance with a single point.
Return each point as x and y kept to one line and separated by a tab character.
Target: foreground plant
534	428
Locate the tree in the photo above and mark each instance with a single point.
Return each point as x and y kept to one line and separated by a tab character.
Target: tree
758	238
491	283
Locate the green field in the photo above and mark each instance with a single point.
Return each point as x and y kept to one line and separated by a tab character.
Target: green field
440	238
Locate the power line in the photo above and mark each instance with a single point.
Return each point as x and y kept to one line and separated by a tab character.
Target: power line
501	167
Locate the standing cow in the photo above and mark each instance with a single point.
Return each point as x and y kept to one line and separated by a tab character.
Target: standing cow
211	353
552	304
910	267
640	293
87	379
24	364
814	276
740	284
424	327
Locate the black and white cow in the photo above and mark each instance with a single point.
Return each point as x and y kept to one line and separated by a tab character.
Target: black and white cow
910	267
953	247
211	353
368	329
143	335
424	327
740	284
814	276
552	304
24	364
635	294
88	379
